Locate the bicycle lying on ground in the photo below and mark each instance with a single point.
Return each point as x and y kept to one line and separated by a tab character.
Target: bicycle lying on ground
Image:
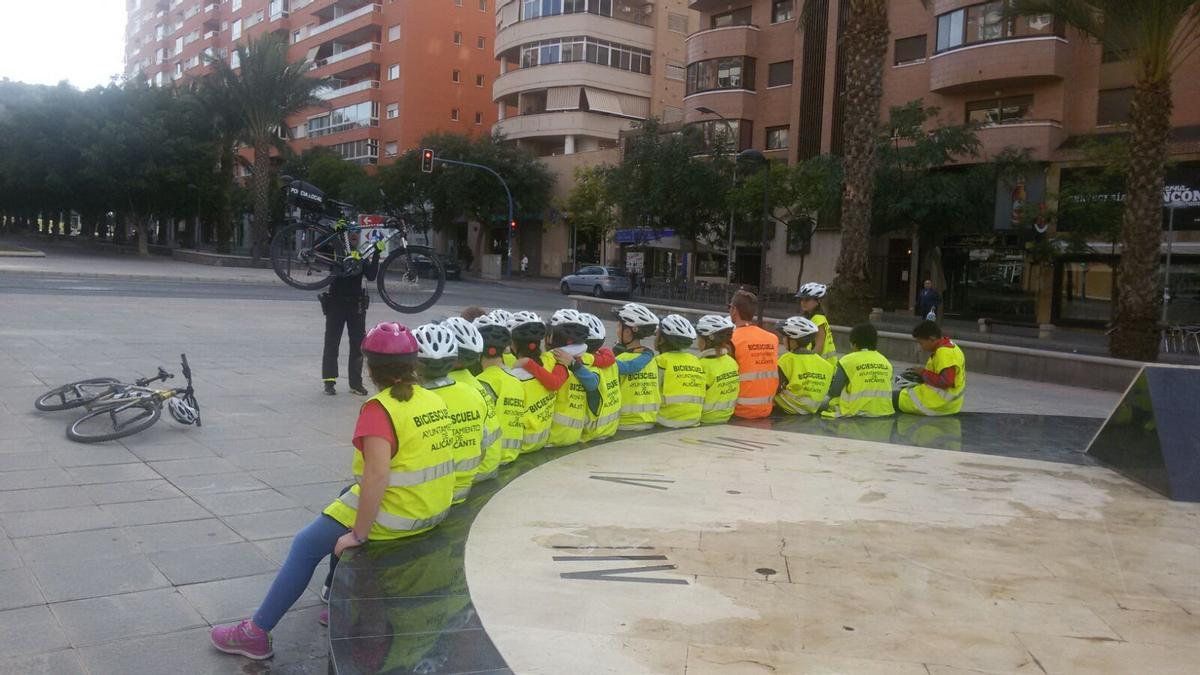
312	250
116	410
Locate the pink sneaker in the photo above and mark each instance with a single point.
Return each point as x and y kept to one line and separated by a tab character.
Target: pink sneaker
323	617
243	638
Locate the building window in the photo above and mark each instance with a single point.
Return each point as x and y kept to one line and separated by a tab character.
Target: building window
235	59
734	72
1000	111
483	5
481	42
1113	107
633	11
458	3
777	138
478	118
365	114
591	50
235	32
479	81
738	17
909	50
454	114
390	149
677	23
457	37
237	4
986	22
779	74
456	76
721	135
297	35
393	33
394	71
676	71
782	10
359	152
393	111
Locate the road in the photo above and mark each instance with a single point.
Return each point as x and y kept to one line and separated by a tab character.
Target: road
458	293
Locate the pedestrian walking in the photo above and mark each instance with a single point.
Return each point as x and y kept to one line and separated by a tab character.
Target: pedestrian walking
928	299
524	266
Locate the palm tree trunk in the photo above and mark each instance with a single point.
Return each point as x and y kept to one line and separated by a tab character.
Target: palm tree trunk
1138	291
866	36
262	196
224	211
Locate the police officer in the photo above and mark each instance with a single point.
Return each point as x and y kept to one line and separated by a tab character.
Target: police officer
345	304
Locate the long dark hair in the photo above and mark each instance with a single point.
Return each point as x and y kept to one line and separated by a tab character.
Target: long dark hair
397	372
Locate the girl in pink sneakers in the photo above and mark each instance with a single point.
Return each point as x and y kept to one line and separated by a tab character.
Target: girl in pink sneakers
404	481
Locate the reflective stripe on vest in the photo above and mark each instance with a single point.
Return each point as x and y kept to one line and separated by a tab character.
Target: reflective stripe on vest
755	400
697	400
606	420
487	476
760	375
489	438
640	426
461	493
677	424
468	463
645	407
720	405
394	522
411	478
915	399
865	394
536	437
567	421
799	402
511	443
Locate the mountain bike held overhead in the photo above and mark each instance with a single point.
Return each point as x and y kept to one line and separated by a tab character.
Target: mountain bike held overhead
330	239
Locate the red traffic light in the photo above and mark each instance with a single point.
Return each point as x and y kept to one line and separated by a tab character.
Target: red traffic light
427	160
512	225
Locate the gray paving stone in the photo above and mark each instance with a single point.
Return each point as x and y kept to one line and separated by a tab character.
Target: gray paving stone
318	495
187	652
12	501
90	545
270	524
264	460
235	599
123	616
93	456
134	491
17	589
304	474
78	579
218	483
21	461
35	478
200	466
210	563
158	452
29	630
157	511
256	501
111	473
8	555
54	521
188	534
62	662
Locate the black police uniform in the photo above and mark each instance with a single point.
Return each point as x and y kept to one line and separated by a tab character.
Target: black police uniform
345	304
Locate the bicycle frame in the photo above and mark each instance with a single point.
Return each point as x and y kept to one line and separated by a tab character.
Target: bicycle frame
365	250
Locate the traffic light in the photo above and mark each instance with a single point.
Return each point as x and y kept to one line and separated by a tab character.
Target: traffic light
512	225
427	160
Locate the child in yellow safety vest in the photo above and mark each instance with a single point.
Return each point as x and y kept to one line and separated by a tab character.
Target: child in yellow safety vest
721	375
640	396
804	376
568	335
541	375
470	349
510	395
862	383
810	303
680	375
943	380
600	375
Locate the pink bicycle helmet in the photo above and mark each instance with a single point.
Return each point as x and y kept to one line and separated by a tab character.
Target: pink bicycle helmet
390	338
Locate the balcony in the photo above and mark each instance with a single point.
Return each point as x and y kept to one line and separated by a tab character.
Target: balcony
988	65
365	48
718	42
330	94
1041	137
365	10
571	74
569	123
567	25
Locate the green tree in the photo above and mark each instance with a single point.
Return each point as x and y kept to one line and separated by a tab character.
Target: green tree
338	178
590	206
265	90
220	106
1157	36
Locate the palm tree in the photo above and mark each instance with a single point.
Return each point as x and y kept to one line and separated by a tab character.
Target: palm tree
216	99
1157	36
264	91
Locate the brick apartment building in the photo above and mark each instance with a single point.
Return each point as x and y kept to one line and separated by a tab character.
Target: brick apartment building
1029	82
400	68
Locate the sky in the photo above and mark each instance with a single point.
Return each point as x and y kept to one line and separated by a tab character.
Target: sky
81	41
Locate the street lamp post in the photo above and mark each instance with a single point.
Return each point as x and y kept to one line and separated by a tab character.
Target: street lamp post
1167	271
760	163
704	110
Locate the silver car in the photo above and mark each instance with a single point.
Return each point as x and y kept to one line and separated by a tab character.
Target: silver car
598	281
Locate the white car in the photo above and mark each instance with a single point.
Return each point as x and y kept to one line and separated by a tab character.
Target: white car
598	281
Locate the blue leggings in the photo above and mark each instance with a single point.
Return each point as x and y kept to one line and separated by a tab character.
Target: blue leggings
310	546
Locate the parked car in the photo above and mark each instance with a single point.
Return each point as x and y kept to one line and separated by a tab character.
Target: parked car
598	281
450	265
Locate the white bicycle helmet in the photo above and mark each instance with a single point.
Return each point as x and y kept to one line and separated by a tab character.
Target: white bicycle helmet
567	327
182	411
494	332
798	327
466	335
435	342
712	324
566	316
501	315
595	326
638	317
676	326
812	290
524	318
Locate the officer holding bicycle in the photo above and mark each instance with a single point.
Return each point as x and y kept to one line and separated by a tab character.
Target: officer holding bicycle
345	304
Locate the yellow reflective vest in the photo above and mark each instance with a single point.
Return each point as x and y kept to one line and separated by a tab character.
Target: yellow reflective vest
868	392
806	378
923	399
539	411
510	409
604	422
721	387
829	351
640	397
467	414
422	470
682	385
570	408
490	446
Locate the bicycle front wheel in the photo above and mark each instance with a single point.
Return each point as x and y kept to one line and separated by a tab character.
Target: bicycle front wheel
305	256
411	280
74	394
116	421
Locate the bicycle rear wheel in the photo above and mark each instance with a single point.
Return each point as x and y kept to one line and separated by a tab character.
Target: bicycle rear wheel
74	394
116	421
411	279
305	256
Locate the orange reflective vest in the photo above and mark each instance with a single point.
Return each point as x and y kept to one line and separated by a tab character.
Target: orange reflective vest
757	354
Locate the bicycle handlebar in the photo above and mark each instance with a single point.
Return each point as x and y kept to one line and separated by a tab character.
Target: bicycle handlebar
162	376
191	392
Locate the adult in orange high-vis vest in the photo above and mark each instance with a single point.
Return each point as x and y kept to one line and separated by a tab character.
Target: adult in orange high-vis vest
757	354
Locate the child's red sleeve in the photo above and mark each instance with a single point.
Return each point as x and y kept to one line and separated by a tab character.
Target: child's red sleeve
374	421
604	358
552	380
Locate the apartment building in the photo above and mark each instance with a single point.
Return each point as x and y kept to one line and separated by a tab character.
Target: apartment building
574	74
1028	82
399	69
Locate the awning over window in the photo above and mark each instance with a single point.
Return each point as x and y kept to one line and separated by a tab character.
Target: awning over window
562	98
634	106
603	101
